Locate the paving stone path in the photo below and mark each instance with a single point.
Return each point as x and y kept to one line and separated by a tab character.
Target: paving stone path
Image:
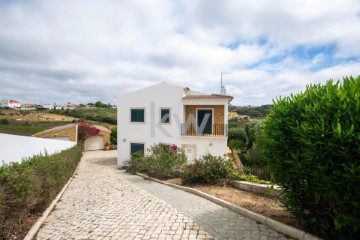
220	222
99	204
103	202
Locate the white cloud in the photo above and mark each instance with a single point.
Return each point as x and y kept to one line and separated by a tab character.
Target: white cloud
83	51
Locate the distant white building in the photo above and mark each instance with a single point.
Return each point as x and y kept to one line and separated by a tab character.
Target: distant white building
28	106
45	106
169	114
70	106
10	104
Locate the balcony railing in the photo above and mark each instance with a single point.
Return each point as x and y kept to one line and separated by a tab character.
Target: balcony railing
213	130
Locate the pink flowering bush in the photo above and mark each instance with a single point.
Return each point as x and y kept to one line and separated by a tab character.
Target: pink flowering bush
86	130
209	170
161	161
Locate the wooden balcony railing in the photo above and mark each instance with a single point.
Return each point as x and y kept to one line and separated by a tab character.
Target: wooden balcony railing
215	130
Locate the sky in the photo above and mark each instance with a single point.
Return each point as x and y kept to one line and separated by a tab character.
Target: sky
86	51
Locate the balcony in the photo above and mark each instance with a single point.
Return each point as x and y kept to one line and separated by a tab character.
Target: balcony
212	130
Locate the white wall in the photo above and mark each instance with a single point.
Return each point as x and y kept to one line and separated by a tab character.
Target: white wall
15	148
151	132
152	99
215	145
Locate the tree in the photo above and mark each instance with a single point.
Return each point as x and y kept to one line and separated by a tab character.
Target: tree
99	104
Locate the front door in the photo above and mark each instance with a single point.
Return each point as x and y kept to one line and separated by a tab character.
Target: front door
204	121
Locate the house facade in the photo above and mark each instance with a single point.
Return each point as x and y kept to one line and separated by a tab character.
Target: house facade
169	114
10	104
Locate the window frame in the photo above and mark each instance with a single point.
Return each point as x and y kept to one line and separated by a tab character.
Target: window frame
143	143
165	108
138	108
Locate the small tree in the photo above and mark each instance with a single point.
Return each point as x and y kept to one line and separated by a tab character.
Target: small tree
113	136
313	150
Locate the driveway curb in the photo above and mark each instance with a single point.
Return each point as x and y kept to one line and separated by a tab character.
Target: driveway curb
276	225
35	228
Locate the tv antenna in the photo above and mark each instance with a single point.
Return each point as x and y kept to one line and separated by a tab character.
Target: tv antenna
223	73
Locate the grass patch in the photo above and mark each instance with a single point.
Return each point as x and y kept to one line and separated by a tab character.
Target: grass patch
25	128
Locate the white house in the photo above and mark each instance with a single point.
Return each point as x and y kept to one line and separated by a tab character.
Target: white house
169	114
10	104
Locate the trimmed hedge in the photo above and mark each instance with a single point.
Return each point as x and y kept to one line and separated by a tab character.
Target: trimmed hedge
313	150
29	187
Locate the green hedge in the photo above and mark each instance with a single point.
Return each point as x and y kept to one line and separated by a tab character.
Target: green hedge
28	187
313	150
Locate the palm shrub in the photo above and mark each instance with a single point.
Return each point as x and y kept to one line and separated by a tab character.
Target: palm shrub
313	149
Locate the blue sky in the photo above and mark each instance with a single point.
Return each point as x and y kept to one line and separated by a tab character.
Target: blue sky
84	51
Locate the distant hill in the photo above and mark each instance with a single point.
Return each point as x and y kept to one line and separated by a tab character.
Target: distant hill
104	115
254	112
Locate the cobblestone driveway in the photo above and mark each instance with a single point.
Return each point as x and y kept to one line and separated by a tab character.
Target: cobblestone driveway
103	202
99	204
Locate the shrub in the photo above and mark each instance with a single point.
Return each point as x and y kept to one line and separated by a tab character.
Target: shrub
237	133
233	124
253	130
209	170
261	173
136	163
4	121
162	161
251	178
113	136
236	144
28	187
313	152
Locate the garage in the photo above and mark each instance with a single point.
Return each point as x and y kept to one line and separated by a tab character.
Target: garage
94	143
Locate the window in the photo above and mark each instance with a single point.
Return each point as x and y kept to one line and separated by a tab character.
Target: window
136	147
138	115
165	115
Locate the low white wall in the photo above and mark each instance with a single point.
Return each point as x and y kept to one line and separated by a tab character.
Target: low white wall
14	148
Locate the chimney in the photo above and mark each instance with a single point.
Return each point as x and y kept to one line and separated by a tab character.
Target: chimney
222	90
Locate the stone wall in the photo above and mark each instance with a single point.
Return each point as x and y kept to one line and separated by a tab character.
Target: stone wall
71	133
106	136
67	132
